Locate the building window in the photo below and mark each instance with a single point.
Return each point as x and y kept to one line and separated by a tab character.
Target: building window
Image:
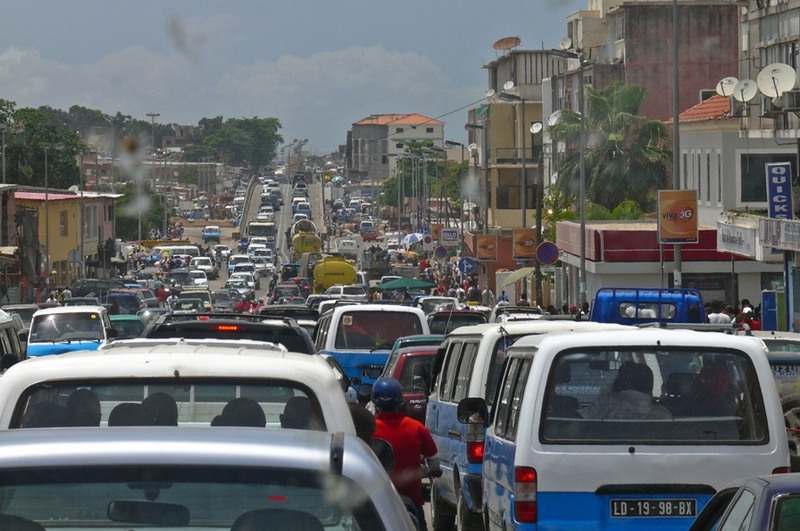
398	129
708	177
754	182
508	189
429	129
62	223
399	146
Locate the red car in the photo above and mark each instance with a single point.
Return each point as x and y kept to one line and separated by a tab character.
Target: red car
411	366
370	235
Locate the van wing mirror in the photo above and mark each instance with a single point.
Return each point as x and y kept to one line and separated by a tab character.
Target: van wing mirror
472	411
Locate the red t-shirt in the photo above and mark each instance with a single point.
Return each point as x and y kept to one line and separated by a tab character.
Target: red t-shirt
410	440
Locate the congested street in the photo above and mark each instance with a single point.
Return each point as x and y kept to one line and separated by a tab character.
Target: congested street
358	267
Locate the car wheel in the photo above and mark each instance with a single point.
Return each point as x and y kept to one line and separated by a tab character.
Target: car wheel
467	520
443	516
791	417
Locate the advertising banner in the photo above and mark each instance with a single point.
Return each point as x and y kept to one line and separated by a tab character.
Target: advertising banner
487	247
449	237
524	244
779	190
436	230
677	216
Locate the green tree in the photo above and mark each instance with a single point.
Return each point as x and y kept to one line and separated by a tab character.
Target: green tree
626	155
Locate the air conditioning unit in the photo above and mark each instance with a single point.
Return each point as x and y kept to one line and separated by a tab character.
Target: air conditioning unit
790	101
738	108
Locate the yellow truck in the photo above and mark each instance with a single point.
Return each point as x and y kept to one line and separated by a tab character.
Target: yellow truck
331	271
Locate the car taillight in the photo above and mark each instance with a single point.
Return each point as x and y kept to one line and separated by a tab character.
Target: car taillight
475	443
525	494
781	470
475	452
228	328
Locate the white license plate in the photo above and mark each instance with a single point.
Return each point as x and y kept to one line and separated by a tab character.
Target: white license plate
659	508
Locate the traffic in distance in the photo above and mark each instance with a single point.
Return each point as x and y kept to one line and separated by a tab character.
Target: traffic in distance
422	399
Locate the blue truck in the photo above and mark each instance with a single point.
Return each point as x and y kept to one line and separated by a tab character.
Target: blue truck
634	306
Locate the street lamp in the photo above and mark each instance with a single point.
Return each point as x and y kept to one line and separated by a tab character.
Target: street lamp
582	165
16	129
58	146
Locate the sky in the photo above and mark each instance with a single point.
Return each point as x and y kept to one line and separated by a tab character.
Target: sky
317	66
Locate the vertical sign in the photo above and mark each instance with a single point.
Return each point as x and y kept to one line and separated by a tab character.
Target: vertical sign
436	230
524	244
487	247
779	190
677	216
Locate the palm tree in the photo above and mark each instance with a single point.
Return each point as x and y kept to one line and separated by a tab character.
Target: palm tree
626	155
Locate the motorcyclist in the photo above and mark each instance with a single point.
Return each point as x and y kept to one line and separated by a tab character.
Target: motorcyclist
410	440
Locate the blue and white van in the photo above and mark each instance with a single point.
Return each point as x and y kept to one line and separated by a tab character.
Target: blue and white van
361	336
628	429
469	363
68	328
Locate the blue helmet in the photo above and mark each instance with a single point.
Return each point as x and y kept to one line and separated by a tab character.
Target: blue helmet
387	393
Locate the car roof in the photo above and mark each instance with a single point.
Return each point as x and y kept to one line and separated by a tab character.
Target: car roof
539	326
69	309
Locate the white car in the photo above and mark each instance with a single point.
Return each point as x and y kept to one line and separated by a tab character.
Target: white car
240	286
264	266
206	264
199	277
351	292
248	277
195	379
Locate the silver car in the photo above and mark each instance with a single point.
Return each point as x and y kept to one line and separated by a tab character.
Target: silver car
215	479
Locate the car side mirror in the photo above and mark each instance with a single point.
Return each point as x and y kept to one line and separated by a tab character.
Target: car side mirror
472	411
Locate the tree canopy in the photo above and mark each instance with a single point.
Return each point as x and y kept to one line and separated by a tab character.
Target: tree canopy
626	155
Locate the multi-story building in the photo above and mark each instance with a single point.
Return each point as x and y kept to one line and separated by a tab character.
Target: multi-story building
375	142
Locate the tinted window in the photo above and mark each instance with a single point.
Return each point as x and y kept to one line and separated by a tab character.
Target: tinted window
443	324
191	403
419	365
741	513
464	374
293	340
509	396
449	371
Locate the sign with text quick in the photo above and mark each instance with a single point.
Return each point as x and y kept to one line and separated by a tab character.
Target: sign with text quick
779	190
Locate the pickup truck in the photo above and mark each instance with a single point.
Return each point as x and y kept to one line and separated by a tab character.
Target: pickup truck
633	306
211	233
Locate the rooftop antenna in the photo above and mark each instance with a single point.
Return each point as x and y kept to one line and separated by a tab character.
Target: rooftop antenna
726	85
506	43
775	79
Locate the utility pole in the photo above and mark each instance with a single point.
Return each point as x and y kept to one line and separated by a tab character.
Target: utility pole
153	116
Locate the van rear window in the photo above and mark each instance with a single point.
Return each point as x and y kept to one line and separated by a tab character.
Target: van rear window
655	396
375	330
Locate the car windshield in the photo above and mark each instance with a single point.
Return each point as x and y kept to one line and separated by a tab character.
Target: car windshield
446	323
375	330
66	327
194	497
220	296
201	261
652	395
187	304
128	328
197	274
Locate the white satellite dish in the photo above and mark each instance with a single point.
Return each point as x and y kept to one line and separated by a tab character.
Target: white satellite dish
74	189
508	85
536	127
745	90
472	147
566	43
490	92
775	79
725	86
554	118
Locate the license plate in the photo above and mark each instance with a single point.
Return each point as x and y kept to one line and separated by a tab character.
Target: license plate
659	508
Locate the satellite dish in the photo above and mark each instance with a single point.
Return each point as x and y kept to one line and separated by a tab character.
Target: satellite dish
472	147
508	85
554	118
725	86
74	189
536	127
566	43
490	92
775	79
506	43
745	90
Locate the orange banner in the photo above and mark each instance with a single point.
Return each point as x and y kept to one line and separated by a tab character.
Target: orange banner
436	231
487	247
524	244
677	216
